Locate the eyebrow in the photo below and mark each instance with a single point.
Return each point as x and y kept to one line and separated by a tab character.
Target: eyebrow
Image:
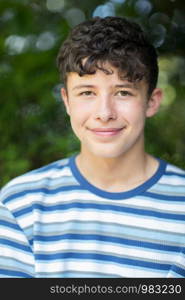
126	85
83	86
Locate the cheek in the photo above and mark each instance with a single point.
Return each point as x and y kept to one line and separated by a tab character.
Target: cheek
132	112
78	119
79	114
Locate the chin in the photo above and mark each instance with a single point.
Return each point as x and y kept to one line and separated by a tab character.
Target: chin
106	154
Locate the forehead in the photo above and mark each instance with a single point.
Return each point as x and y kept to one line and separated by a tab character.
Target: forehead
102	80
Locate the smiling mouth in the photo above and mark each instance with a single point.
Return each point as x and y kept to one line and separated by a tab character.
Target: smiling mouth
106	131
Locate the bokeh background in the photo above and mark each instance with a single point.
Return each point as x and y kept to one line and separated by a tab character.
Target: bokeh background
34	128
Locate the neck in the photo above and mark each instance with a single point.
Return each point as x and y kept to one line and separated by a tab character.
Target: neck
122	173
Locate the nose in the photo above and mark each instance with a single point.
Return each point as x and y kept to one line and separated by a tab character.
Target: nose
105	109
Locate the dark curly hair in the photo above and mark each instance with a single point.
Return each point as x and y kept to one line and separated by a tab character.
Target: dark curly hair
115	40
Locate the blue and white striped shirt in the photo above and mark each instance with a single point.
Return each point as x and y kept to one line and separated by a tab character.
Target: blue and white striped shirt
54	223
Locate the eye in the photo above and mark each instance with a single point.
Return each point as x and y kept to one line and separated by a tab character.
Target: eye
123	93
86	93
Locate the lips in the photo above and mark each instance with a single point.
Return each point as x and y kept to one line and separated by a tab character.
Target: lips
106	131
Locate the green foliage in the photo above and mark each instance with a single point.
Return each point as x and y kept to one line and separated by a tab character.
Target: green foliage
34	126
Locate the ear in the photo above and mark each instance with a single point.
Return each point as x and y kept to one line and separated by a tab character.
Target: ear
154	102
64	96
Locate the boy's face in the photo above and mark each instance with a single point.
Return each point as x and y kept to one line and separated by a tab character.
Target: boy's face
108	114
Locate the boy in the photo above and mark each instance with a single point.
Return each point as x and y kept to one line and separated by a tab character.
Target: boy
113	210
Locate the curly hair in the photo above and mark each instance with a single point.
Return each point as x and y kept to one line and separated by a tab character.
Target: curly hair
116	40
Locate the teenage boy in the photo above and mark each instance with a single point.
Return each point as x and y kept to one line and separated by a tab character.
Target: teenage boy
113	210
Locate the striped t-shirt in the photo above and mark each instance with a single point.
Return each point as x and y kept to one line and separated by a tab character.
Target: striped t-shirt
54	223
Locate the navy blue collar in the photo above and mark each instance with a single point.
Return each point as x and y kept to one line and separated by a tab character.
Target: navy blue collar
119	195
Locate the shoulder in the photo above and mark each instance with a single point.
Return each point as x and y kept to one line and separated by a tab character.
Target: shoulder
175	173
37	178
174	177
175	169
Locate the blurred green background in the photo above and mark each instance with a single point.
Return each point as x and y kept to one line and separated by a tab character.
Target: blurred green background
34	128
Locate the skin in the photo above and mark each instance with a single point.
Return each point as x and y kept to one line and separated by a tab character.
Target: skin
108	116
